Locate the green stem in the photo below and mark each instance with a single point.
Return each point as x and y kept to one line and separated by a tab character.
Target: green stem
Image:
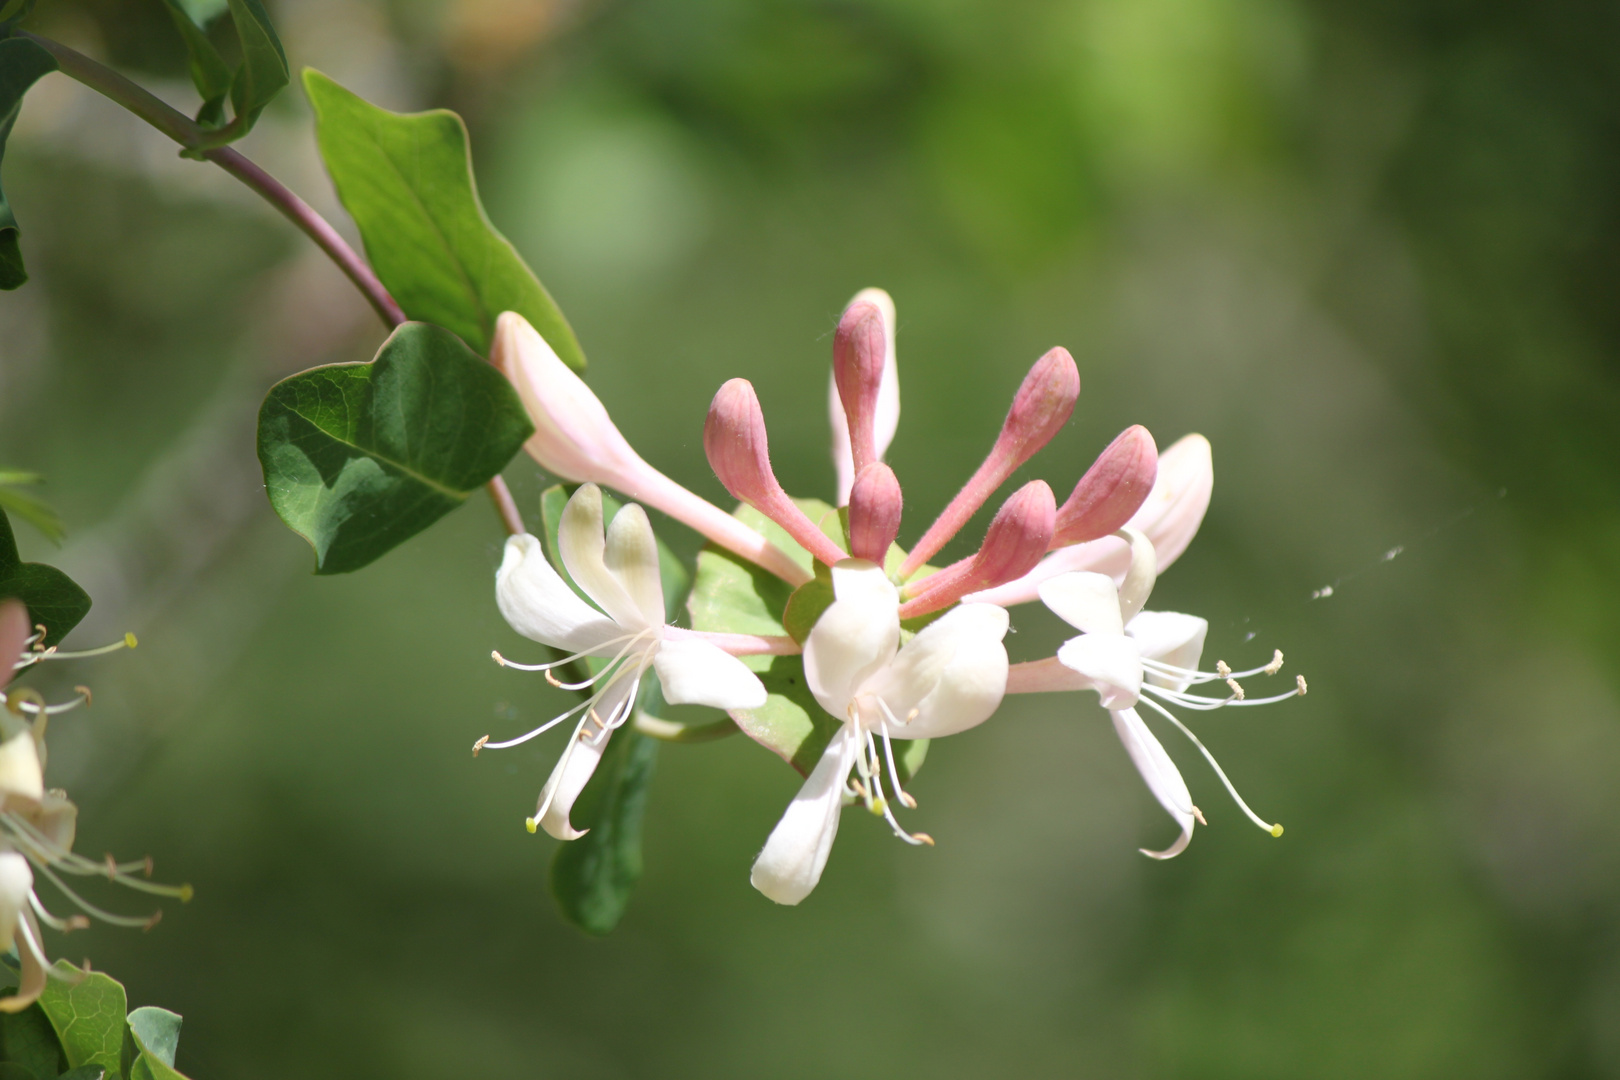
183	130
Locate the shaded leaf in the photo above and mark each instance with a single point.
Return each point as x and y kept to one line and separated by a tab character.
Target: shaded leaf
11	1070
264	72
28	1040
15	10
407	181
22	62
87	1009
358	458
209	72
34	511
53	598
592	877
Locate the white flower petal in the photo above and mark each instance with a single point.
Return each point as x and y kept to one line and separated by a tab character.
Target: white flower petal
579	760
538	603
1111	661
953	674
886	419
1161	774
694	672
632	557
791	862
1137	586
583	547
1170	637
16	882
21	780
1087	602
857	634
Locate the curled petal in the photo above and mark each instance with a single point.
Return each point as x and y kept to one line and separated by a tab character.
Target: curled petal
582	543
632	557
1177	640
538	604
791	862
1111	663
857	634
580	759
1087	602
948	678
694	672
1139	576
22	783
573	434
1161	774
35	966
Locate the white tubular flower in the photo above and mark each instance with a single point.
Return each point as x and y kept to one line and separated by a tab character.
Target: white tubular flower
1169	518
1131	657
618	569
946	679
886	414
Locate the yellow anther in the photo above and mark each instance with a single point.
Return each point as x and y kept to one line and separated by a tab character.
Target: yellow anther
76	922
1276	830
1199	814
157	917
129	640
1299	681
923	838
84	691
879	805
907	801
186	893
531	824
494	654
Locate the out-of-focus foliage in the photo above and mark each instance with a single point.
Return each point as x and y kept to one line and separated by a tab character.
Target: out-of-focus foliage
1368	249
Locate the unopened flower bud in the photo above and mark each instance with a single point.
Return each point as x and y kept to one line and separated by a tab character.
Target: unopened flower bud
1043	404
886	408
1111	490
734	441
860	348
874	512
1019	535
574	437
14	632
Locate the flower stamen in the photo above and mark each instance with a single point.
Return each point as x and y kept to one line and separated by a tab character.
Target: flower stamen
1271	827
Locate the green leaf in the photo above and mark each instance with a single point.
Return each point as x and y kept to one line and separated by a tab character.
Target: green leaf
592	877
34	511
407	181
85	1072
87	1010
209	72
15	10
150	1042
21	63
264	72
53	599
10	1070
28	1040
358	458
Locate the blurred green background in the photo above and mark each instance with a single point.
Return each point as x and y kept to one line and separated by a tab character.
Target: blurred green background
1370	250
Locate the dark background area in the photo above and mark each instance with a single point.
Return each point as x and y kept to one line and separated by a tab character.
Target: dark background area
1370	250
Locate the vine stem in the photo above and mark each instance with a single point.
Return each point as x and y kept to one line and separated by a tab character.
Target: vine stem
185	131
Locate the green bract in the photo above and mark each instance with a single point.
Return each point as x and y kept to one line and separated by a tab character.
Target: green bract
407	181
53	598
21	63
358	458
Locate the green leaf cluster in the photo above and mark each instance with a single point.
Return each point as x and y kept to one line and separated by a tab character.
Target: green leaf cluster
407	181
79	1029
260	75
22	62
53	599
358	458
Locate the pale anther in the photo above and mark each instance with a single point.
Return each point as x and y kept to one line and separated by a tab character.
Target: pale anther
923	838
1299	681
1276	662
1222	670
479	745
1237	691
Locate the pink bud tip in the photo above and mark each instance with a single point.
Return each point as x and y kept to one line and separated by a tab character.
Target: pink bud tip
1112	490
14	631
1043	404
734	441
874	513
1019	535
860	348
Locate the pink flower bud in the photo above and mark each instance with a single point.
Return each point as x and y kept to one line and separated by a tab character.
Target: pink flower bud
735	443
574	437
14	632
1111	491
1042	405
874	512
886	409
860	348
1018	537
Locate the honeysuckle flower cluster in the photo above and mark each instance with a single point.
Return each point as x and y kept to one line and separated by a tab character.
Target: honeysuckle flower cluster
37	825
901	649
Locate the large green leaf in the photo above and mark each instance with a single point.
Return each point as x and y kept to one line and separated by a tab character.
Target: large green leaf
359	458
87	1009
28	1040
407	181
21	63
53	599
